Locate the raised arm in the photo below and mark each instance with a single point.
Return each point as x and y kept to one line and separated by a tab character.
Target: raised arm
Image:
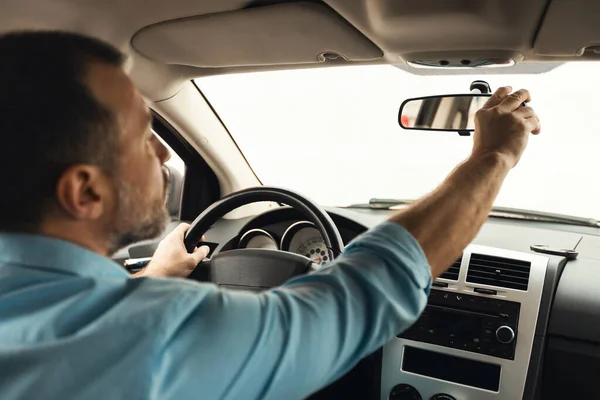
448	219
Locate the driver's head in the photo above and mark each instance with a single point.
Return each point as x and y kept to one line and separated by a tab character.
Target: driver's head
78	159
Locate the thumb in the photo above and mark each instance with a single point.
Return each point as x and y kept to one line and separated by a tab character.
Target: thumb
180	231
200	253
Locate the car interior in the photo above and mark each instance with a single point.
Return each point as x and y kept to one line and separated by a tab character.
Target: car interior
517	316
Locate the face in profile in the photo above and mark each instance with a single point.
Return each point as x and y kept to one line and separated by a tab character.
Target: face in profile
138	217
140	182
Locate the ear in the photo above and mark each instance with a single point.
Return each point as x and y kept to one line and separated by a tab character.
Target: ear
85	192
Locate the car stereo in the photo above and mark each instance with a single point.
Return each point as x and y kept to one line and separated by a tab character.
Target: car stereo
475	338
471	323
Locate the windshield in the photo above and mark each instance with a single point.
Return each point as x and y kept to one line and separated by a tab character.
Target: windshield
332	134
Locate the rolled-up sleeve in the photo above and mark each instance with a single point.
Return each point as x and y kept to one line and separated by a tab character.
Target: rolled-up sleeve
290	341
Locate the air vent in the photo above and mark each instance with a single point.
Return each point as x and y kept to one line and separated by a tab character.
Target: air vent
453	271
498	271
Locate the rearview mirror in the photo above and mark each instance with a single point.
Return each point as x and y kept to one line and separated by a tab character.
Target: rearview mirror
454	113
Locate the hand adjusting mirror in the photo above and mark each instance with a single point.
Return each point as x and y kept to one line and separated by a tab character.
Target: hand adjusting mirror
450	113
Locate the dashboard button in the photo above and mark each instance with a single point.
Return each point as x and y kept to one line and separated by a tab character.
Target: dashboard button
505	334
404	392
485	291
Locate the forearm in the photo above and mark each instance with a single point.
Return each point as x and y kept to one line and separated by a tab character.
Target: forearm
446	221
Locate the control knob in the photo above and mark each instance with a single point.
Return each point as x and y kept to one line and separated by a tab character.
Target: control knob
505	334
404	392
442	396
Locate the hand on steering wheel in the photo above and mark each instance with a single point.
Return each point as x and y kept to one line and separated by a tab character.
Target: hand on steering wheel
257	269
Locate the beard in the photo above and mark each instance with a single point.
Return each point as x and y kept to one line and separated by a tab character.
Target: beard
138	217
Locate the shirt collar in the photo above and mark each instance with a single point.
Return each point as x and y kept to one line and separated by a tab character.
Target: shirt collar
48	253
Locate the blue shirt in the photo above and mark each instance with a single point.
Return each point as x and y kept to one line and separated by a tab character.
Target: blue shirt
74	325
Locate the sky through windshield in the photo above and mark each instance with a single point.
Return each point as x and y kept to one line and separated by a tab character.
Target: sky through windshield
332	134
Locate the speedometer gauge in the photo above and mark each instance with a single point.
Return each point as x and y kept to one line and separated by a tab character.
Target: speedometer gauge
257	239
304	239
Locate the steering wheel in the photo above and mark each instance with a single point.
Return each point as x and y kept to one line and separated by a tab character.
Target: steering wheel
259	269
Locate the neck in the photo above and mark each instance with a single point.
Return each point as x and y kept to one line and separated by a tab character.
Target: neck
79	233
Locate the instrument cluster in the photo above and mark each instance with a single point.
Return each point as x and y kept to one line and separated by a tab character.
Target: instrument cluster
300	237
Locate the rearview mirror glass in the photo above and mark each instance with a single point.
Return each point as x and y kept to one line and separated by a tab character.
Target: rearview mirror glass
455	113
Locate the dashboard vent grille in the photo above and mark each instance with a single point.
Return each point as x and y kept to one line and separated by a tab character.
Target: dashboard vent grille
498	271
453	271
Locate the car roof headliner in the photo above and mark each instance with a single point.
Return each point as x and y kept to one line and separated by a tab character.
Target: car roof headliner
173	41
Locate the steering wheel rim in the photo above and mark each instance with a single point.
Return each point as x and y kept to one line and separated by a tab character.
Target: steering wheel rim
310	210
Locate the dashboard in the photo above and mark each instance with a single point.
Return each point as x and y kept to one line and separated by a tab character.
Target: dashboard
286	230
300	237
502	323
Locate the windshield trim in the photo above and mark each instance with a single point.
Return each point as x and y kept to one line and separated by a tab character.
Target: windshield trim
222	122
497	212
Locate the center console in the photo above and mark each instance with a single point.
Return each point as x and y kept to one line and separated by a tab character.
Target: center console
474	339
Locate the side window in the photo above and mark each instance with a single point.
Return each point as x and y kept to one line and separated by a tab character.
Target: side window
194	185
177	171
175	162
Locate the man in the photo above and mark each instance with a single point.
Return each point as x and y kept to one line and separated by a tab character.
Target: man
82	176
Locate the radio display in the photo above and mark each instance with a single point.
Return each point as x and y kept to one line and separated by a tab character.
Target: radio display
451	368
446	322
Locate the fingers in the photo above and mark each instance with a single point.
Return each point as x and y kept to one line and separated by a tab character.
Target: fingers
514	100
534	124
180	231
529	113
525	112
200	253
497	97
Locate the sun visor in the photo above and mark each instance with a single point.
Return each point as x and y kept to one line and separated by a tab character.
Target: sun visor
292	33
569	28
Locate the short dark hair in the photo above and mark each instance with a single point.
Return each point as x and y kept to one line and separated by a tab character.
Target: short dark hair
49	119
